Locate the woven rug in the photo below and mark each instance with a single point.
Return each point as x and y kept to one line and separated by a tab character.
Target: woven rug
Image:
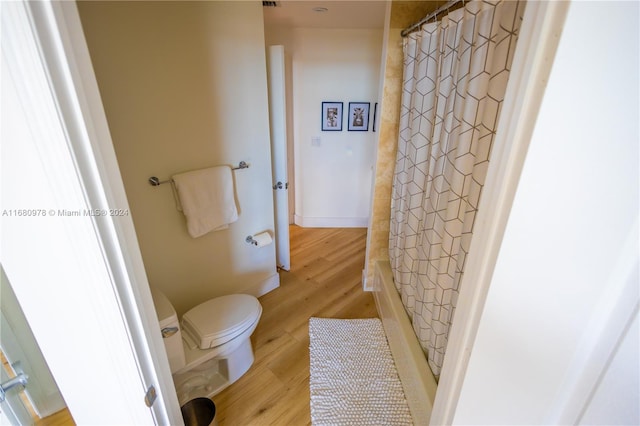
353	378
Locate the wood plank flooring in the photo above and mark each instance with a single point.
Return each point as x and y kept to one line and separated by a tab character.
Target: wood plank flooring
325	281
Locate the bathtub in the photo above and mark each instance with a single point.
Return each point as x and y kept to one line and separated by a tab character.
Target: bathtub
417	380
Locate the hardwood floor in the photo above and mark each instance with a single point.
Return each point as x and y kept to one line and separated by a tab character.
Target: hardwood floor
325	281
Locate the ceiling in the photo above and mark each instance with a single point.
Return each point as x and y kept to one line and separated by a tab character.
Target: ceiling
339	14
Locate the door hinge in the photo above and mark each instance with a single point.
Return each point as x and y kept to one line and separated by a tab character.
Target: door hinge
150	396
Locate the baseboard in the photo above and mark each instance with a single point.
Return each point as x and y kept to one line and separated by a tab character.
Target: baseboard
365	285
331	222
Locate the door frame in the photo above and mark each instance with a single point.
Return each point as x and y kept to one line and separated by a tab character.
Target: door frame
48	52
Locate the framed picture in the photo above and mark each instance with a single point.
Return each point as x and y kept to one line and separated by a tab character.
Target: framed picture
358	116
375	116
332	116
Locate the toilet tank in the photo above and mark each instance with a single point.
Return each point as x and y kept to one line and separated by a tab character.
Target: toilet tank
170	328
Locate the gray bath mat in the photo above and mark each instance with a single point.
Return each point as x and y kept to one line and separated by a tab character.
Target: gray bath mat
353	378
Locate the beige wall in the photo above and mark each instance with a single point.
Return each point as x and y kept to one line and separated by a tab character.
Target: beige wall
403	14
184	87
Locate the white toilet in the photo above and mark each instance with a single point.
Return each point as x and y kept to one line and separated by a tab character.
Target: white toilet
211	347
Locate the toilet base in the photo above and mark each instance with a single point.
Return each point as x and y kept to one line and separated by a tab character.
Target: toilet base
214	375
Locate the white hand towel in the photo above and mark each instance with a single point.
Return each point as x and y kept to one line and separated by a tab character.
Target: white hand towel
207	199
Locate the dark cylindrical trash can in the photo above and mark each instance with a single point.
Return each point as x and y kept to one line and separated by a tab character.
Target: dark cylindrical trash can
199	412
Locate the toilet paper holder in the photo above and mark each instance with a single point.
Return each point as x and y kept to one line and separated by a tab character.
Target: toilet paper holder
260	240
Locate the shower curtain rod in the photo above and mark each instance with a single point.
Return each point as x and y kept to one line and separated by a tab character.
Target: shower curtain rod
438	11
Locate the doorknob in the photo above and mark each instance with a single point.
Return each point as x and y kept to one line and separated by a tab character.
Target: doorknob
280	185
21	379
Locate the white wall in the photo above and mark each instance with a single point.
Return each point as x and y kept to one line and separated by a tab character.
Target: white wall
184	87
332	180
565	284
620	378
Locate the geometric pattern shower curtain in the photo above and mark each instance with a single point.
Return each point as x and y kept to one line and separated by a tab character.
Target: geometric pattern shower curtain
455	77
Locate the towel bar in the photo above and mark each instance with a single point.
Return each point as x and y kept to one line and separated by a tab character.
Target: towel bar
154	181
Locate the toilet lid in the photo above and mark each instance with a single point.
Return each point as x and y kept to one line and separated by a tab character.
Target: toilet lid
219	320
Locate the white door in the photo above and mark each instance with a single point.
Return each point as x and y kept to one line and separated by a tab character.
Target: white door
23	354
277	116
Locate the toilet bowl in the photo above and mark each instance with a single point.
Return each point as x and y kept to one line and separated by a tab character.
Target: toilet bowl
210	348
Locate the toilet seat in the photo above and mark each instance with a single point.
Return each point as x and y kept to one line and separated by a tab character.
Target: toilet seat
216	321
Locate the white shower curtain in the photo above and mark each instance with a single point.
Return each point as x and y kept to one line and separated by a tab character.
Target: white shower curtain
455	77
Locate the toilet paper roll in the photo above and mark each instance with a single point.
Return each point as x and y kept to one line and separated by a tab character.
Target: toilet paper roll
262	239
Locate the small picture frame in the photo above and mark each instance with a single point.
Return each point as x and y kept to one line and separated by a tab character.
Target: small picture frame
332	116
358	116
375	116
